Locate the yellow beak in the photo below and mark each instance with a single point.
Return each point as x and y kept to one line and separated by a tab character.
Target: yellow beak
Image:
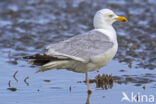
121	18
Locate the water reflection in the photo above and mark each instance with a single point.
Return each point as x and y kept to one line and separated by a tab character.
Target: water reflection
137	80
88	98
106	81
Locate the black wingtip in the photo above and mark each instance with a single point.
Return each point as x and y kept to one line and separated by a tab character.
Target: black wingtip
33	56
39	59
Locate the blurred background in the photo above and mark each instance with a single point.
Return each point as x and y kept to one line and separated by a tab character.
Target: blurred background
28	26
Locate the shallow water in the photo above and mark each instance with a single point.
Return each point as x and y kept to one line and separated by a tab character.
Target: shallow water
27	26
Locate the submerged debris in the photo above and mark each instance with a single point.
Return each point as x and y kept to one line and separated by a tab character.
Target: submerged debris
38	90
70	88
14	76
104	81
12	89
144	87
46	80
25	81
9	83
122	70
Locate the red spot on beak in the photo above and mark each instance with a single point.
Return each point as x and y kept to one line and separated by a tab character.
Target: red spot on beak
124	20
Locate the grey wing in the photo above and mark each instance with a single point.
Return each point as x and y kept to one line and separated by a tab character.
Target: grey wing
81	47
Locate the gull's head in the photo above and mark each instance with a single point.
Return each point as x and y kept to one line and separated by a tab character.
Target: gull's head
105	18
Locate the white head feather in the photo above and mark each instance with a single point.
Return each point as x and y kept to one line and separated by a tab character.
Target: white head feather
104	18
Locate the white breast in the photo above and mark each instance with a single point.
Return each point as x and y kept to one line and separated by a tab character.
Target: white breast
102	59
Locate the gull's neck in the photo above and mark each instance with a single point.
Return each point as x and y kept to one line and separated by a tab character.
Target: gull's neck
108	30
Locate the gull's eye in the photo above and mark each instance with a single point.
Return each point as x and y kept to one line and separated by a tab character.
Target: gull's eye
111	15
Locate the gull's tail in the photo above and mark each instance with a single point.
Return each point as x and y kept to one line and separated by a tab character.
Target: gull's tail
47	62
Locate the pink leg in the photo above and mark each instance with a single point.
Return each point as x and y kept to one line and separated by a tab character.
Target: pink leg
87	82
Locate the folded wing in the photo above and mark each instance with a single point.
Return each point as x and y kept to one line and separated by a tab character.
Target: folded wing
81	47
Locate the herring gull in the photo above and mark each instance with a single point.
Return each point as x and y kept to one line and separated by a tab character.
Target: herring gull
84	52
